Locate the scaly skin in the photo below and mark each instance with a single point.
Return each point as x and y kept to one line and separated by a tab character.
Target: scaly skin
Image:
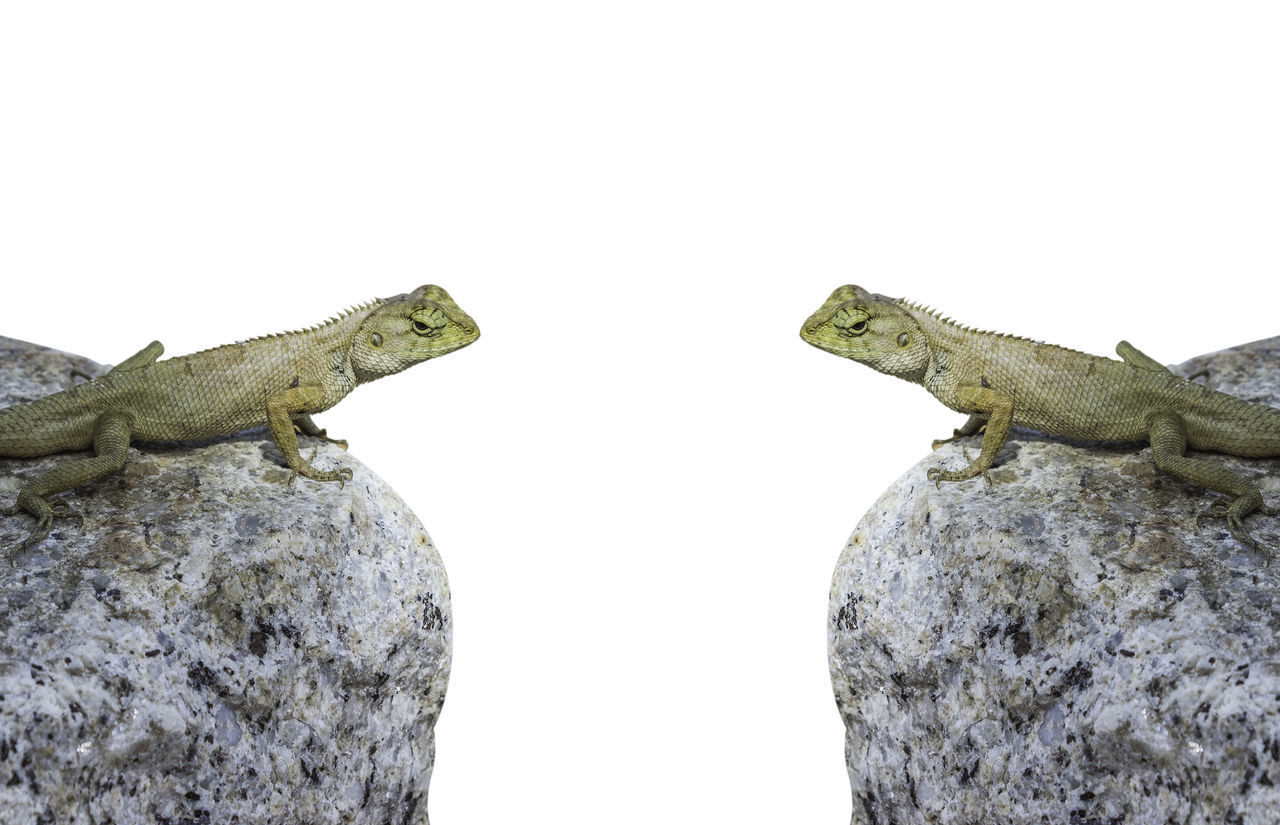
277	380
1002	381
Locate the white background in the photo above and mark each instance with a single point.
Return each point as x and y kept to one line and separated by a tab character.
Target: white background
640	478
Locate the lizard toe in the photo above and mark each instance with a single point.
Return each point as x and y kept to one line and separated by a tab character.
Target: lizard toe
68	513
1241	534
1213	512
938	475
341	475
38	534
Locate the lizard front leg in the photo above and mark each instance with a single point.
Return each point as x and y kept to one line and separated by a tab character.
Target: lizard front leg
971	427
282	409
997	409
308	427
110	445
1169	443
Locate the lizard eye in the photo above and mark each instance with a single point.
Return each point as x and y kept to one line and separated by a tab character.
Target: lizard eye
903	339
852	322
428	324
376	339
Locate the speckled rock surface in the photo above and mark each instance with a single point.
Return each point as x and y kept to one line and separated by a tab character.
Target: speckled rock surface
1062	643
215	646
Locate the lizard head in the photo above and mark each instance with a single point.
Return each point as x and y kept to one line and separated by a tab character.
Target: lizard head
409	328
872	329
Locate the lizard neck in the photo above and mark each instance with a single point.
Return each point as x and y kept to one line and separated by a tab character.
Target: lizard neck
947	341
963	357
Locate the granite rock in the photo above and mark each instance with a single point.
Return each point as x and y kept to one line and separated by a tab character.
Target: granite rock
1061	642
216	645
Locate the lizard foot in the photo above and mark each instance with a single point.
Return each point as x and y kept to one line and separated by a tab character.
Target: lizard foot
1213	512
1234	513
45	513
63	510
341	442
938	475
956	435
341	475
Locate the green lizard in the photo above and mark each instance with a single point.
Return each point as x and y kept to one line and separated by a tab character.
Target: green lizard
276	380
1002	381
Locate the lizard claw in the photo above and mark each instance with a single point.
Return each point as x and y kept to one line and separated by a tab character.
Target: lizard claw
935	475
1234	513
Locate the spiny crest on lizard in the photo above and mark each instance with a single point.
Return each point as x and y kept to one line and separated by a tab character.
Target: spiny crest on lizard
1002	381
336	319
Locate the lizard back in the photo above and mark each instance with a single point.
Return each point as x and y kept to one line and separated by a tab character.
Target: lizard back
1065	392
210	393
224	390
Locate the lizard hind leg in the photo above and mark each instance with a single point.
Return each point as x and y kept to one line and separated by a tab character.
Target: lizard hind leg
1168	445
111	446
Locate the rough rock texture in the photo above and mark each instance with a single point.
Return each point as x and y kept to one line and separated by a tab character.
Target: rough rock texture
1062	643
215	645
